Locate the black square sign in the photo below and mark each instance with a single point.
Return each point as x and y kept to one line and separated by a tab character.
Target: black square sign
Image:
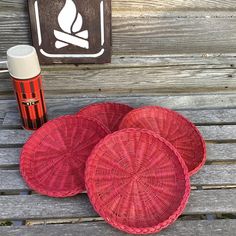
71	31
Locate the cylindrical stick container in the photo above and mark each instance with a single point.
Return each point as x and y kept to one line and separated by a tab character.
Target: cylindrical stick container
24	68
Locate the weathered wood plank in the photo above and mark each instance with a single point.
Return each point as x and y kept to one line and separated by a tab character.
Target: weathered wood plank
200	117
14	137
75	103
226	132
135	80
226	152
140	74
13	118
215	175
173	35
221	116
217	133
40	207
132	5
221	152
10	180
140	8
9	157
146	35
192	61
180	228
167	5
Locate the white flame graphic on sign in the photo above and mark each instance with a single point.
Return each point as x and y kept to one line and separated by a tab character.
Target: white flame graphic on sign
71	23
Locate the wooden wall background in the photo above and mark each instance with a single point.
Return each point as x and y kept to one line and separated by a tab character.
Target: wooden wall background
159	47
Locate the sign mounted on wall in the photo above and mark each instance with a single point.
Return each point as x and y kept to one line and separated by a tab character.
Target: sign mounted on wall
71	31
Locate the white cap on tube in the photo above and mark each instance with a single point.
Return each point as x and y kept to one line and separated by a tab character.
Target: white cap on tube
22	61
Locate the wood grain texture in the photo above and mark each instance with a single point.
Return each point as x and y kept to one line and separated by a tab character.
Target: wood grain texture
14	137
226	132
191	61
143	74
221	152
221	116
134	80
200	117
226	152
180	102
9	157
174	35
167	5
146	35
180	228
215	175
40	207
217	133
133	5
10	180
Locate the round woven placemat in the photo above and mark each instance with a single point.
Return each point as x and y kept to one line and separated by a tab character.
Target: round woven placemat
137	181
53	159
109	114
175	128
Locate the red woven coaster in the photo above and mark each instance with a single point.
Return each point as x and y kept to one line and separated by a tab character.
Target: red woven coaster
53	159
179	131
109	114
137	181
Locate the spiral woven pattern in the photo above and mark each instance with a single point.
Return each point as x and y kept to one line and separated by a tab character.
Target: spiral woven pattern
53	159
109	114
175	128
137	181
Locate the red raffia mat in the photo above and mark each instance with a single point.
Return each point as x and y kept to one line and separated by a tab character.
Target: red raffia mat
109	114
53	159
175	128
137	181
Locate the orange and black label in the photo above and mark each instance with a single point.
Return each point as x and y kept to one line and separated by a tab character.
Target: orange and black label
30	102
30	98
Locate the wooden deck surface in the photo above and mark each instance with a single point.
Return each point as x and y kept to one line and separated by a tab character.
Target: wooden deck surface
172	53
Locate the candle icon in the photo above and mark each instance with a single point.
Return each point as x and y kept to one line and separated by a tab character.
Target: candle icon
71	22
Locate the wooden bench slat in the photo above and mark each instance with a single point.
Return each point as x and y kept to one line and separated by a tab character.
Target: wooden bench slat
209	175
215	152
215	175
12	6
192	61
210	116
75	103
180	228
9	156
173	35
41	207
221	152
198	117
217	133
146	80
14	137
147	35
225	132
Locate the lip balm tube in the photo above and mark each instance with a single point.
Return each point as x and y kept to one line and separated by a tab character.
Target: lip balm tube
24	68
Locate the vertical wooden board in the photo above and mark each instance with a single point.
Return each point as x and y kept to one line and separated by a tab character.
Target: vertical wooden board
71	31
